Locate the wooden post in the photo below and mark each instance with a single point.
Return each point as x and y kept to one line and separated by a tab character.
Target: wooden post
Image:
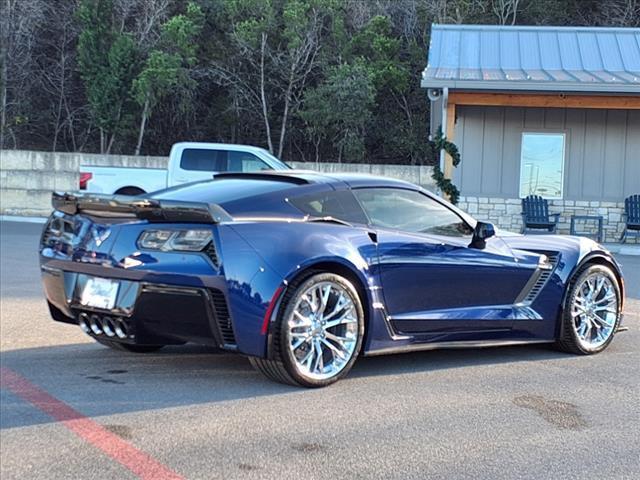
449	133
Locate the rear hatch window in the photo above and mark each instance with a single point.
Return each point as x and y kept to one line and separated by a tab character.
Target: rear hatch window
221	191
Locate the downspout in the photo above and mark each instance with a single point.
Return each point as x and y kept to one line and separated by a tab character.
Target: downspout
443	125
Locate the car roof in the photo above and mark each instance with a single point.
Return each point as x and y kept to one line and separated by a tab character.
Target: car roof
239	191
336	180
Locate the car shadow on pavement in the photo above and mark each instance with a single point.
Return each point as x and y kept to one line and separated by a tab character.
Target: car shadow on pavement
97	381
444	359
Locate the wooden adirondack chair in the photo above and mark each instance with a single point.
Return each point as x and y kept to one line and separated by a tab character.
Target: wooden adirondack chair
631	217
535	215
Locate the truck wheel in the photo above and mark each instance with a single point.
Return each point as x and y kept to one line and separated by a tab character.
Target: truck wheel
130	191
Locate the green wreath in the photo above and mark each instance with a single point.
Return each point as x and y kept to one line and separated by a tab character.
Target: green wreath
445	185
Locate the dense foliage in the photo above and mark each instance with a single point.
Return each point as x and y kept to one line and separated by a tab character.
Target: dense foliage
308	79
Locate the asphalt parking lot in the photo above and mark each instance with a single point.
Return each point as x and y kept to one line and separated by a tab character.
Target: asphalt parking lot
71	408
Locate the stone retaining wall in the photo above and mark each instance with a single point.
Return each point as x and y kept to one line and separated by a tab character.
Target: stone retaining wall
505	214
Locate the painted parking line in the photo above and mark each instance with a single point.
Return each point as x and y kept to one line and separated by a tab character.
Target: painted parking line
137	461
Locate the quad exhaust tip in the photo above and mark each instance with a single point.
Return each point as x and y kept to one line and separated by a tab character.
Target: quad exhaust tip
95	324
83	321
121	329
107	327
111	327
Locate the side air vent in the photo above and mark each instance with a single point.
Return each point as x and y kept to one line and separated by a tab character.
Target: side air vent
541	277
223	318
211	252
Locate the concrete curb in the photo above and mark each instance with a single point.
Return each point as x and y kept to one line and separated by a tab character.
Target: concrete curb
22	219
623	249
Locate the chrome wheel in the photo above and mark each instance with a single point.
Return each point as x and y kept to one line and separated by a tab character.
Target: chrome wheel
322	330
594	310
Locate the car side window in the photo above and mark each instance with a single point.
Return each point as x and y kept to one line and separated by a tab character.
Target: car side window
246	162
339	204
410	211
204	160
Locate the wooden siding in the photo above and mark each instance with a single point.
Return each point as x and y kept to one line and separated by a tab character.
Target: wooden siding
602	150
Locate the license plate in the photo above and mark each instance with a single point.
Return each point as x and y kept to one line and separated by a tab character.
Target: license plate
99	293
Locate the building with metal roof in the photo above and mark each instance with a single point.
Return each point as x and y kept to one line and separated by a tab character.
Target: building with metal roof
550	111
574	59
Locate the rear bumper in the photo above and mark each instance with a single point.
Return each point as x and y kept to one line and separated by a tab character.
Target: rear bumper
146	311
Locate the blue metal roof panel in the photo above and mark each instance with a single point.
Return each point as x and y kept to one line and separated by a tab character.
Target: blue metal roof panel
628	51
543	58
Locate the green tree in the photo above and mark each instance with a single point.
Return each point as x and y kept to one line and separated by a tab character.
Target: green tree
167	67
108	61
341	108
274	47
399	126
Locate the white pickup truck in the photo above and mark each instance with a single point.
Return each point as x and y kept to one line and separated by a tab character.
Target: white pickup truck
188	162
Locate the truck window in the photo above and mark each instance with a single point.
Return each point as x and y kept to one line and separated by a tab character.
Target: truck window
204	160
246	162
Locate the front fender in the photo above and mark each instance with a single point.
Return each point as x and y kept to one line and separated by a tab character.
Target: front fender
598	255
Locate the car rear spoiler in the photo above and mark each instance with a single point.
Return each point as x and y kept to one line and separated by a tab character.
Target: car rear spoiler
143	208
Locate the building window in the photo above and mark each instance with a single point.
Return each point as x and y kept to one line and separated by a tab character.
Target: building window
542	164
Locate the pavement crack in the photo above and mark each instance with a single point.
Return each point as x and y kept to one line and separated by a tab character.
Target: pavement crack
307	447
104	380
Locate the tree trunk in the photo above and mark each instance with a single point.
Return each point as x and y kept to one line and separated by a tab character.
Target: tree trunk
57	127
263	96
59	110
112	139
3	105
72	133
283	127
110	143
143	122
3	81
285	113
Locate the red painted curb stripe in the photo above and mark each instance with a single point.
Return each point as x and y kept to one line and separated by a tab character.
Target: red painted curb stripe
140	463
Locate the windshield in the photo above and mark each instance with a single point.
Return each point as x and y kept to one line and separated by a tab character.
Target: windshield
275	162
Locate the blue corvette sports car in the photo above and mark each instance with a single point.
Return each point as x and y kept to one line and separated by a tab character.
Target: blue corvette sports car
303	272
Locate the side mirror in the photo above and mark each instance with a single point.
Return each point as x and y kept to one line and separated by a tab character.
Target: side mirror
482	231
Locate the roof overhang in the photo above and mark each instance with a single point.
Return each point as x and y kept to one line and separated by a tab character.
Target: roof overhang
506	86
544	100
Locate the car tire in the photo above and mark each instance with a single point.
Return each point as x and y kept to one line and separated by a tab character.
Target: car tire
127	347
585	329
310	348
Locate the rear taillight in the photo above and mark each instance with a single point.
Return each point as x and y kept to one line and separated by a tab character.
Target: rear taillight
182	240
58	231
84	179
